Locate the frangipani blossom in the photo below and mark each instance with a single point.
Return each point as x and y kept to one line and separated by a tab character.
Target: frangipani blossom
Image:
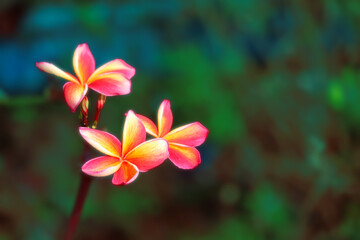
112	78
124	160
182	140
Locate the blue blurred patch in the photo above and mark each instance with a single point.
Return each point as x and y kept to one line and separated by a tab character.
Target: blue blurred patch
19	75
50	18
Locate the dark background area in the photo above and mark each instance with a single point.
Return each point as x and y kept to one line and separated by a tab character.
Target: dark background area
275	82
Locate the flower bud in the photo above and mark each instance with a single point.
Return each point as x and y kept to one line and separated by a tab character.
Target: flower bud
101	102
100	105
84	110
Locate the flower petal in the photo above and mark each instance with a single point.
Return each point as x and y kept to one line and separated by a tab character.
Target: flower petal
102	141
74	94
83	62
193	134
52	69
111	84
126	174
165	118
101	166
134	133
149	154
184	157
115	66
149	125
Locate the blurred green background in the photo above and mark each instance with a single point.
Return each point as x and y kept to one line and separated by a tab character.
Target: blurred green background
276	82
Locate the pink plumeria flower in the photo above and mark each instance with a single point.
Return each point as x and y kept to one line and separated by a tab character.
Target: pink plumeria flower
182	140
112	78
125	160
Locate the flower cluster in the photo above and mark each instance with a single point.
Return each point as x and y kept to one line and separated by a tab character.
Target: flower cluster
125	160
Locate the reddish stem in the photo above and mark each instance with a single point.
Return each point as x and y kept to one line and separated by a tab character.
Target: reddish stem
84	183
79	204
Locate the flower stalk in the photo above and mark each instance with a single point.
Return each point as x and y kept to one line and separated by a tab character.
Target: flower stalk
79	204
85	181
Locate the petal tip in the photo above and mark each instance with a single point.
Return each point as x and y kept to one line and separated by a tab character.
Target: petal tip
166	101
206	131
83	45
84	169
131	69
82	129
40	65
130	112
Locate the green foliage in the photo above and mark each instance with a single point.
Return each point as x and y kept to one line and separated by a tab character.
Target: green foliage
271	211
336	95
344	95
94	16
22	101
232	228
4	237
351	222
55	166
199	87
126	203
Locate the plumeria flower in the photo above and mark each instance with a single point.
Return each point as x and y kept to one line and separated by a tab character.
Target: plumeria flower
124	160
182	140
112	78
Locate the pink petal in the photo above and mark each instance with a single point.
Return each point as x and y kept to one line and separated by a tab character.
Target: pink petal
111	84
165	118
115	66
183	156
101	166
193	134
149	154
83	62
102	141
74	94
52	69
134	133
149	125
126	174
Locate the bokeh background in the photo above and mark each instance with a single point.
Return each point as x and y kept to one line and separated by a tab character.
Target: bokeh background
276	82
